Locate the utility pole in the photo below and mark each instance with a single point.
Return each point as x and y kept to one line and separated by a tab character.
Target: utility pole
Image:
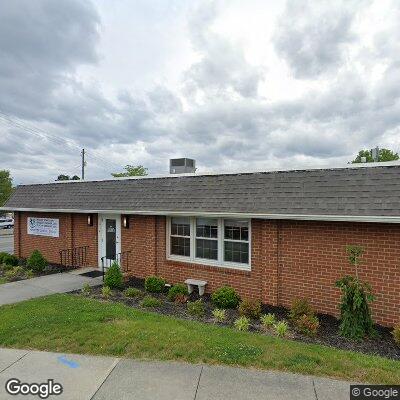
83	164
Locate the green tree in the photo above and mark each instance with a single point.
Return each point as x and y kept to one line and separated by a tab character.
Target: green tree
5	186
63	177
131	170
384	155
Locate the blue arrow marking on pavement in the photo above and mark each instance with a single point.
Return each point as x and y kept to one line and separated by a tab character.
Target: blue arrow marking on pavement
69	363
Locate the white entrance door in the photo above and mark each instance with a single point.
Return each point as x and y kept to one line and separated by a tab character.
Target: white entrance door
109	238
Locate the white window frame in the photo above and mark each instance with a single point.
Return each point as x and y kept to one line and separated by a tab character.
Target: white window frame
221	240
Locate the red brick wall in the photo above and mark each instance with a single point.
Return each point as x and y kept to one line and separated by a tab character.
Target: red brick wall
289	259
74	232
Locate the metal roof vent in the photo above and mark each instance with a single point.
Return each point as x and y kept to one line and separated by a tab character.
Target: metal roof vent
182	166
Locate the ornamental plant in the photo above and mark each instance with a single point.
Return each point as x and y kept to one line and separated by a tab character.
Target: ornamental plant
308	325
281	328
36	262
250	308
113	277
154	284
132	292
219	314
196	308
106	292
396	334
179	288
299	308
268	320
242	324
355	315
151	302
225	297
8	259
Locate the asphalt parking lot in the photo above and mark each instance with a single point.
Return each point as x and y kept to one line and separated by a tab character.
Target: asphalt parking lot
7	240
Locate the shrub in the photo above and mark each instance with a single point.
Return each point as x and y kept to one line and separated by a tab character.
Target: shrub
113	277
181	298
268	320
36	262
9	259
151	302
396	334
177	289
86	290
106	292
196	308
154	284
29	274
225	297
308	325
242	324
299	308
2	254
132	292
355	315
281	328
15	273
250	308
219	314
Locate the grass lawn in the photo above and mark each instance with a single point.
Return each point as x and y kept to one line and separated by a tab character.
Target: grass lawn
67	323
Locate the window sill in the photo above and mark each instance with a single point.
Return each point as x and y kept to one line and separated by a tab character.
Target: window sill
209	263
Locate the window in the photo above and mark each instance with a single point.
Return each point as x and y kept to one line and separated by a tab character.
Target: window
236	241
207	238
214	241
180	237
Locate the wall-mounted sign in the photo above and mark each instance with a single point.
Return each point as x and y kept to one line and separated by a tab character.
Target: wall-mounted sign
44	226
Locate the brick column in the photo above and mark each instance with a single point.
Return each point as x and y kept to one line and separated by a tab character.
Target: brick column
17	233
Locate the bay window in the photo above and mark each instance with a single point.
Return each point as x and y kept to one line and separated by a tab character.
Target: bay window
213	241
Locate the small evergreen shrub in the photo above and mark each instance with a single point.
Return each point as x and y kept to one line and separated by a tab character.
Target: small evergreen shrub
281	328
219	314
181	298
86	289
179	288
396	334
132	292
36	262
196	308
9	259
268	320
242	324
299	308
154	284
113	277
308	325
2	254
150	302
225	297
250	308
106	292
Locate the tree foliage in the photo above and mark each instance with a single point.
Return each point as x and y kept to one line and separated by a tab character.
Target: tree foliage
63	177
131	170
5	186
384	155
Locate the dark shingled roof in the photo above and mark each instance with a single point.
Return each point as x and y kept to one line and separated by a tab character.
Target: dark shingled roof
363	191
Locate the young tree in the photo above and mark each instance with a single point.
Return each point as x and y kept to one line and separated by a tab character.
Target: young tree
384	155
131	170
63	177
5	186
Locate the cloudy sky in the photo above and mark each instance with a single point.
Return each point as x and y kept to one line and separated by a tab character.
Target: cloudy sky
236	85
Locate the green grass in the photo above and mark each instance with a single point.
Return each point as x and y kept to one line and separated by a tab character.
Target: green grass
76	324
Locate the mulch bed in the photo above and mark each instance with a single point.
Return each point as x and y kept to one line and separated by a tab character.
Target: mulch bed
383	344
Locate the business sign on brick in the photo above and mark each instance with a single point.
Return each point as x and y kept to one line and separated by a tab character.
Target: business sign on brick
44	226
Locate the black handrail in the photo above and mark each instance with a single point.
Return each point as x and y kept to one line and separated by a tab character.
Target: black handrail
75	257
122	259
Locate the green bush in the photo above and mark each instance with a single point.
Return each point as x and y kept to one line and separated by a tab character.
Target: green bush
132	292
281	328
14	274
179	288
106	292
355	315
36	262
396	334
154	284
299	308
219	314
9	259
268	320
225	297
86	290
181	298
242	324
196	308
2	254
307	324
113	277
151	302
250	308
29	274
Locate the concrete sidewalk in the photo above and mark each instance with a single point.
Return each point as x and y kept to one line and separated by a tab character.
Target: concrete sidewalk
14	292
98	378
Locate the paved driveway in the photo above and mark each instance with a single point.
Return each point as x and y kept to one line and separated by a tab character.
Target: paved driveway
101	378
7	240
44	285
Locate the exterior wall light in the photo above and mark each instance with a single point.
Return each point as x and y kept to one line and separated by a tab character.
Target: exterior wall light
125	221
90	219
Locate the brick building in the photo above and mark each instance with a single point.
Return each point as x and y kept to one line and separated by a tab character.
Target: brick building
273	236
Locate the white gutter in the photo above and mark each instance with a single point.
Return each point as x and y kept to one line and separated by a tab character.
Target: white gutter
300	217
